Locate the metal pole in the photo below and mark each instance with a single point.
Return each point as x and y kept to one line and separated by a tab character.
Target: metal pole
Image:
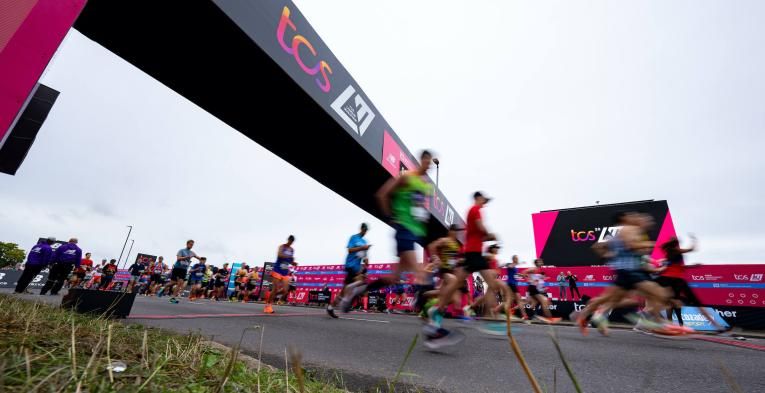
128	254
123	246
437	167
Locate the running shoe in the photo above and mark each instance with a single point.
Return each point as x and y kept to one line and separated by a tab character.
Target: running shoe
494	329
679	328
442	338
601	323
435	317
331	312
174	300
582	324
551	320
268	309
468	311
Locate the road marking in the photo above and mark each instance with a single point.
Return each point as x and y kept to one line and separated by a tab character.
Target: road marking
192	316
732	342
365	320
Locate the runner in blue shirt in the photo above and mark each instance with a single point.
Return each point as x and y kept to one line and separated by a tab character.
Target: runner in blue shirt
357	252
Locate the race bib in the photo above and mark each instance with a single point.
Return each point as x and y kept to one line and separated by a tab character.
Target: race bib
452	262
420	213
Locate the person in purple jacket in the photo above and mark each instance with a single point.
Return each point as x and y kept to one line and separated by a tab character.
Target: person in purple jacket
67	257
39	257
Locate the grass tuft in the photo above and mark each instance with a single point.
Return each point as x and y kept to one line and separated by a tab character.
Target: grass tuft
48	349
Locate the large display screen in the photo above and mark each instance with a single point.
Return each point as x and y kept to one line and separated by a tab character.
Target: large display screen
565	237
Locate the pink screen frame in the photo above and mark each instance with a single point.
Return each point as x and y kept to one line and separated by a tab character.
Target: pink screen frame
28	51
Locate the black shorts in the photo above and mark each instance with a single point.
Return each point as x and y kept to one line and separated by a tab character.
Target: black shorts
534	291
513	287
80	275
220	283
250	286
157	278
350	276
475	262
628	279
443	271
680	290
178	273
405	239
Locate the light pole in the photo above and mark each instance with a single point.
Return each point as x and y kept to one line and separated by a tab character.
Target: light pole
435	161
123	246
128	254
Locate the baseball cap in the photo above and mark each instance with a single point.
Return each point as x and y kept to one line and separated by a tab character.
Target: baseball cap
482	195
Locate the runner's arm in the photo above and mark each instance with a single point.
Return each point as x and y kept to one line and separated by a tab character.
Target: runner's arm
433	248
693	247
486	235
352	250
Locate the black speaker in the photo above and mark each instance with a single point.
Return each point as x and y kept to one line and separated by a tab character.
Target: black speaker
24	131
111	304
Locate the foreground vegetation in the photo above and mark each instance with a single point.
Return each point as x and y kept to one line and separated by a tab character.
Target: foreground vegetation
47	349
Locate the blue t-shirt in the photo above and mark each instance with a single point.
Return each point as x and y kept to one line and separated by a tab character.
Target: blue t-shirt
184	252
353	260
199	274
511	271
282	264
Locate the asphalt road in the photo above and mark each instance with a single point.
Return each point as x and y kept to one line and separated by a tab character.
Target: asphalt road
365	349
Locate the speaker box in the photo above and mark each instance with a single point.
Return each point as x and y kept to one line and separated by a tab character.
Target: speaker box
22	135
112	304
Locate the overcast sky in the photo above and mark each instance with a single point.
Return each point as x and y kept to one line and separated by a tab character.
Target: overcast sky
544	106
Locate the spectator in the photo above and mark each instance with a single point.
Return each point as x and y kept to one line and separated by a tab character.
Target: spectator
39	257
109	272
562	286
572	286
67	257
136	271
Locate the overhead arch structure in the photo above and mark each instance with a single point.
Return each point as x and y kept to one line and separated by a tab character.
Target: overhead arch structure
261	68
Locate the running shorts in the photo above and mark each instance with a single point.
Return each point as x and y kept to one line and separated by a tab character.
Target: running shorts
534	291
279	277
178	273
513	287
156	278
250	286
475	262
443	271
628	279
350	275
405	239
680	290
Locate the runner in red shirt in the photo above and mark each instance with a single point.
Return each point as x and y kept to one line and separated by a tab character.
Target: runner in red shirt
476	234
86	265
673	277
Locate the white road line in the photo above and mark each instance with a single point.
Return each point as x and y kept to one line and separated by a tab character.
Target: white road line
362	319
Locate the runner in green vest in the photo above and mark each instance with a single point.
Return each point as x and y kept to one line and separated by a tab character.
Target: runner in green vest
402	201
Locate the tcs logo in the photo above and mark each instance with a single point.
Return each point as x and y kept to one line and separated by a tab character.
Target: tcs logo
600	234
293	48
582	236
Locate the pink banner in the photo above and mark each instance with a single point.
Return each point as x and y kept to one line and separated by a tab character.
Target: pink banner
716	285
30	33
394	157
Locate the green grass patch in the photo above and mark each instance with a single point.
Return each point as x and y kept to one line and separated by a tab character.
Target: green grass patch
47	349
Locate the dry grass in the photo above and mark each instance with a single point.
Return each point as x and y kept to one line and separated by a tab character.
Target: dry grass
46	349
